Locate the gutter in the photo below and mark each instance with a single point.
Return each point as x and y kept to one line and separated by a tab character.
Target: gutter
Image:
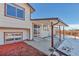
30	6
56	23
63	22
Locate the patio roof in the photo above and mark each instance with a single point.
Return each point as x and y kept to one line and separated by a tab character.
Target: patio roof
54	21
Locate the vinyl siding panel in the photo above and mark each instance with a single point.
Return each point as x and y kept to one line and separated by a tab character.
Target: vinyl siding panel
13	22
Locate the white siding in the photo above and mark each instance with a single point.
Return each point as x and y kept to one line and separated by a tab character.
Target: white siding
1	38
12	22
16	23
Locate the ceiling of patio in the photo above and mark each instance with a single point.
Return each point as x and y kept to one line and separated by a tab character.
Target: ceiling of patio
48	21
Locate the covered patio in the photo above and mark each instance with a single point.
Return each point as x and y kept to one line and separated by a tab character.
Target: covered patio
54	30
53	39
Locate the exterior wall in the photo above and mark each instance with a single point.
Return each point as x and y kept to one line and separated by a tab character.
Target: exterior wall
15	23
1	38
44	33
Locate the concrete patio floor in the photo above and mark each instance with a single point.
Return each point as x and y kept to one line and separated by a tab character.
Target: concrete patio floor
42	45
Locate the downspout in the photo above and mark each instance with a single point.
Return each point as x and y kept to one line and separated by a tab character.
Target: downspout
52	33
30	29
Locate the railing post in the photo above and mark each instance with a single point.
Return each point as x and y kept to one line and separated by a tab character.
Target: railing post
63	33
59	34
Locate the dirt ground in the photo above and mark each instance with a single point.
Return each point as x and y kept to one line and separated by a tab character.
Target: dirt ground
19	49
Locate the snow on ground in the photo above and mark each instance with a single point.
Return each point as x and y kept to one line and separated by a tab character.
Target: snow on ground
70	46
72	37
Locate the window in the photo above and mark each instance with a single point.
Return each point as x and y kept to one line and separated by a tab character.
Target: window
20	13
36	26
11	36
45	27
9	9
36	30
15	11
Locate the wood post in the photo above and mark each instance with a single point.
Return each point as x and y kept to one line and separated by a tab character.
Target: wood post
52	36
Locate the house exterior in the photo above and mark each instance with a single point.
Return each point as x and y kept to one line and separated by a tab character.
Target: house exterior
16	24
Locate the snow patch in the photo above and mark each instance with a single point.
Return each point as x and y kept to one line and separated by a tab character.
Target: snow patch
70	46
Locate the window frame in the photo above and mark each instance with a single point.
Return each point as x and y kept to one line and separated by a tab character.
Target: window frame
17	7
7	13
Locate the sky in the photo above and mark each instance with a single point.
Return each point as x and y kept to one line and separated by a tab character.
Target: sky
69	13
